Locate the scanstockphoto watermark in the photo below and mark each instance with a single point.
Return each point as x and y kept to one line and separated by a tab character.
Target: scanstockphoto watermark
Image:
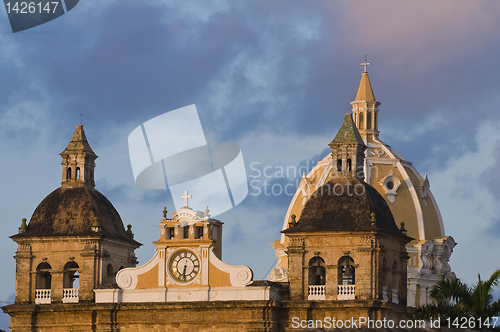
285	180
360	322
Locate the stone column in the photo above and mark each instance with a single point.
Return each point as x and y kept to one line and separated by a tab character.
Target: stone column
25	284
296	272
57	285
331	282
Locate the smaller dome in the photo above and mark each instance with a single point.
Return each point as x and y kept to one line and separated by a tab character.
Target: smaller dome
345	205
71	212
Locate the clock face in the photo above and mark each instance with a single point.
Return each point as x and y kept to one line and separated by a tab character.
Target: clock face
184	266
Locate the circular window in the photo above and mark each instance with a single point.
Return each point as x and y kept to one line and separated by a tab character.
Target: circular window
390	185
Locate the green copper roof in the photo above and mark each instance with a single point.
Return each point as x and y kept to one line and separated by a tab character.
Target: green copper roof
348	133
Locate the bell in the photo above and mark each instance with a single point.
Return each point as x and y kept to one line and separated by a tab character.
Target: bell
318	271
348	271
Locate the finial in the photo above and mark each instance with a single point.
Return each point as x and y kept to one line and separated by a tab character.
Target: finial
23	227
292	222
95	226
165	212
403	229
129	231
365	64
81	117
374	219
186	197
206	214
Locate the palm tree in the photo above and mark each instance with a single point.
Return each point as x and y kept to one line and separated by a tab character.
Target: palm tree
453	299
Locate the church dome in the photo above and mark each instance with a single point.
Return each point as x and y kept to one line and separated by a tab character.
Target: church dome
76	208
345	205
71	212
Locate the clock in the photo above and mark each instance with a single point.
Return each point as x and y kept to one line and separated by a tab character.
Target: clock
183	266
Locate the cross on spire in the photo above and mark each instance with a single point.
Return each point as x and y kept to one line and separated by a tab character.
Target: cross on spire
186	197
365	64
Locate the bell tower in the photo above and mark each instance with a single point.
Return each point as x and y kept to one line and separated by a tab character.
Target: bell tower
348	152
78	162
365	108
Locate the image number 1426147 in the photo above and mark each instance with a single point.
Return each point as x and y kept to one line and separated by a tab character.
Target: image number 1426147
31	7
24	15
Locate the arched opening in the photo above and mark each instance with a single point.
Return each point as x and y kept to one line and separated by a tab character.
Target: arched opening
368	121
339	165
361	121
110	275
346	271
43	276
68	173
317	279
317	272
43	284
185	232
349	165
78	172
71	276
346	279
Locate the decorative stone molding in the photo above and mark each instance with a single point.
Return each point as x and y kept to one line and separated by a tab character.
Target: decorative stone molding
377	152
279	274
423	189
305	187
390	183
239	275
127	278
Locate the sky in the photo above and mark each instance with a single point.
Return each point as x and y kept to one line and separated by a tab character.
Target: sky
274	77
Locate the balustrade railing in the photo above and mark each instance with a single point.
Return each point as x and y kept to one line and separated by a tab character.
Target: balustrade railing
346	292
316	292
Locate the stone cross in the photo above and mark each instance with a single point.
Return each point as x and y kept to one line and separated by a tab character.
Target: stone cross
186	197
365	64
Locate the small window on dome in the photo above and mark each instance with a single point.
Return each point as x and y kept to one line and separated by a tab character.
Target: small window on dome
349	165
78	172
68	173
368	121
390	185
339	165
361	120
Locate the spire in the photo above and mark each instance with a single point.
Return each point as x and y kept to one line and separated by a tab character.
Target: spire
365	108
365	91
78	161
348	151
78	143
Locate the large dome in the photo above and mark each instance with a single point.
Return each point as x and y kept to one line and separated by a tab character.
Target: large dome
71	212
345	205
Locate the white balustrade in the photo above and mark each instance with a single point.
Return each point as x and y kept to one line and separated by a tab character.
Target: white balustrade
42	296
70	295
316	292
346	292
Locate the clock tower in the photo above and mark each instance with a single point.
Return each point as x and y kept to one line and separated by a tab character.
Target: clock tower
187	265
